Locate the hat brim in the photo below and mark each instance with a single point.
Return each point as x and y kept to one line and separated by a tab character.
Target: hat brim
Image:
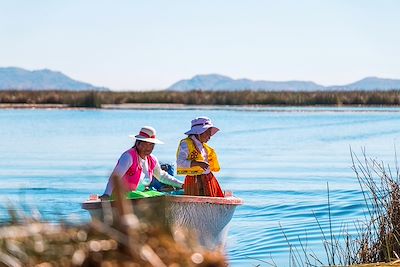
202	129
148	140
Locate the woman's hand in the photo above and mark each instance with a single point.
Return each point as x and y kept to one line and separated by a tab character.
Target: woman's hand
202	164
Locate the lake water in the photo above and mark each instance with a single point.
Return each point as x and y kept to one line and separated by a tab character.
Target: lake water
278	160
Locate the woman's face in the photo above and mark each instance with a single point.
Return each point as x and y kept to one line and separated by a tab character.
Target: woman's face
206	136
144	148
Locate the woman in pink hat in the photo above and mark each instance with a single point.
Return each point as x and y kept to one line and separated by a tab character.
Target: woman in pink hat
137	166
198	161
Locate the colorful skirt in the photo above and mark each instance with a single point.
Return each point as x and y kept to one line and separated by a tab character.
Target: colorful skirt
202	185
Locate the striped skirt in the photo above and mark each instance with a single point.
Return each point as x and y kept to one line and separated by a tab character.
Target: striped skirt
202	185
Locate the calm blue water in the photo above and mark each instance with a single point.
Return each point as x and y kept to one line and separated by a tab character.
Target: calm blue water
279	160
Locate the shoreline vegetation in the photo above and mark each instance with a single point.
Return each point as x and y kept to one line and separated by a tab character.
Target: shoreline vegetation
173	99
376	241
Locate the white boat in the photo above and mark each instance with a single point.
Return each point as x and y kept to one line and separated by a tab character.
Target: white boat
206	217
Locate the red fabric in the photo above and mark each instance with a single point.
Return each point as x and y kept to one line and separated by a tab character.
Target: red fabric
202	185
146	135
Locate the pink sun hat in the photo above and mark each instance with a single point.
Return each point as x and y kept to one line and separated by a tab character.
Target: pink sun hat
200	125
147	134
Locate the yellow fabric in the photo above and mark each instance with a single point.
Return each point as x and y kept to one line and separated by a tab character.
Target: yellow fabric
194	154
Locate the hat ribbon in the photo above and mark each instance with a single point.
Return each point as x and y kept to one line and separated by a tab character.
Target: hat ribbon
202	124
146	135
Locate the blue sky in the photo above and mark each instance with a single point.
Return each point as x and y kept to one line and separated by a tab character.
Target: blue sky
137	45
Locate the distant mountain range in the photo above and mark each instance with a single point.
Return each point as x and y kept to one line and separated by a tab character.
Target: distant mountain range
21	79
215	82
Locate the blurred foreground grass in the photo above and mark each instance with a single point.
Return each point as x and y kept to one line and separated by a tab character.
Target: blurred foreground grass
124	240
96	244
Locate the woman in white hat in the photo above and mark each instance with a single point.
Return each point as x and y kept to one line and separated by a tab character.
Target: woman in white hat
198	161
137	166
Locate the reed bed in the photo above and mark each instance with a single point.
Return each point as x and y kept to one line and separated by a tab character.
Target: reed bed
380	241
94	99
377	238
125	240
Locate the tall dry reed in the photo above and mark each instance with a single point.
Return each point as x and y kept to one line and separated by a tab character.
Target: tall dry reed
380	240
95	99
377	237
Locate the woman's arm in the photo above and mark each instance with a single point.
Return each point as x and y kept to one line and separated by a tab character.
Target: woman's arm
165	178
124	162
183	152
184	163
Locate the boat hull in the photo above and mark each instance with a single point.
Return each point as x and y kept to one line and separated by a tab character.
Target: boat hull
207	218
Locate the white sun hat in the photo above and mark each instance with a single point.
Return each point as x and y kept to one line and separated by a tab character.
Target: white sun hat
200	125
147	134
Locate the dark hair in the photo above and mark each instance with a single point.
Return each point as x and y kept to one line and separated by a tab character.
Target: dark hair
137	142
